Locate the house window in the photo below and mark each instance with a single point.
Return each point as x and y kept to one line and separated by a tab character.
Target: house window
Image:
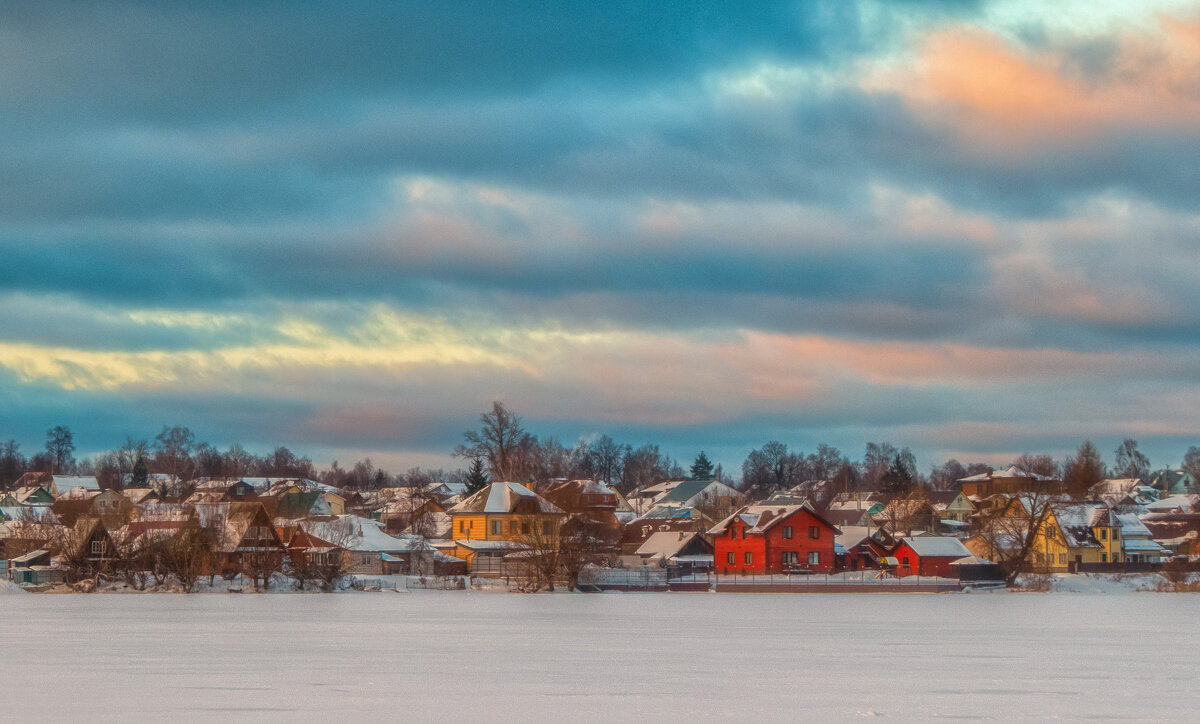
904	560
814	558
749	558
790	558
512	527
1062	559
366	558
1104	558
97	547
462	526
496	527
814	532
730	558
525	528
733	532
787	532
1104	534
547	528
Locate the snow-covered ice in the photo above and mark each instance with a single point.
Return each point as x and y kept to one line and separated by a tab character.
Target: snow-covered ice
429	656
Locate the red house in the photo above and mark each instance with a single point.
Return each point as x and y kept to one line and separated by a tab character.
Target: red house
928	556
773	539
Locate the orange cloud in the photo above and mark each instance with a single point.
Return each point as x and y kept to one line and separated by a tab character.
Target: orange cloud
994	92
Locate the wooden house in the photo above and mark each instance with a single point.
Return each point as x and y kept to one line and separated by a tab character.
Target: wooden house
928	556
506	512
770	539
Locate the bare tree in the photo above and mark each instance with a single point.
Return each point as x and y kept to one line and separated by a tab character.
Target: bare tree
60	444
500	440
541	561
1131	463
1008	529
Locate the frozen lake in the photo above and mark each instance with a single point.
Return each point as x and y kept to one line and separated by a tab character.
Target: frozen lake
448	656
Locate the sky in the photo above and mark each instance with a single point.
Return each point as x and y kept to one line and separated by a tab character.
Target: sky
970	228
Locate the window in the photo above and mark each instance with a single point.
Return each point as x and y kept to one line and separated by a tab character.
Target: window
366	558
730	558
547	528
814	558
97	547
525	528
1104	534
749	558
904	560
497	527
790	558
1062	559
743	532
814	532
1104	558
787	532
512	527
462	526
733	533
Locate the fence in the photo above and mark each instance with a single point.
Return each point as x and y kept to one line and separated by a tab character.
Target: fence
846	582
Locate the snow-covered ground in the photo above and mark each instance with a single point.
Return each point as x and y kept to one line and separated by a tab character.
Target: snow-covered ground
450	656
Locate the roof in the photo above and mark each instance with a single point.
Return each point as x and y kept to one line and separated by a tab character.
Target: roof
491	545
936	547
1076	521
761	518
506	498
63	483
362	534
1011	472
685	492
666	544
1184	503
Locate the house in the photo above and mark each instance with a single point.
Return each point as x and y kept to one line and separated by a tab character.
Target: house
296	503
1182	503
664	547
141	496
640	530
1137	542
592	499
1008	481
1089	531
770	539
859	547
710	494
903	515
1173	482
364	544
33	495
61	484
246	539
506	512
1178	533
34	569
110	505
928	556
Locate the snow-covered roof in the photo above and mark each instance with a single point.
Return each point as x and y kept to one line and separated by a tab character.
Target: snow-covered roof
491	545
1012	471
1131	526
665	544
937	547
1175	502
505	498
63	483
761	518
1142	545
852	535
355	533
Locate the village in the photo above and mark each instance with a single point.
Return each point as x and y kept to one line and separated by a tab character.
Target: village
1002	528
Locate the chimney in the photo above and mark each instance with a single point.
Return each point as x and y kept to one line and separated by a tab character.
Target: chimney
680	535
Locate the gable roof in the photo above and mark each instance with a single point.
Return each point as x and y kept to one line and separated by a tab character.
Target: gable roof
506	498
761	518
935	546
668	544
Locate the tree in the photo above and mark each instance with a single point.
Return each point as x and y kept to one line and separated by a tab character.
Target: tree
1191	462
606	457
501	441
173	452
1083	470
12	463
60	444
944	476
140	477
770	468
1008	529
1131	463
641	467
477	479
877	457
898	480
582	542
1038	465
702	468
825	462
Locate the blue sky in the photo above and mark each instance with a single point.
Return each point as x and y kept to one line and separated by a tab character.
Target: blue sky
966	227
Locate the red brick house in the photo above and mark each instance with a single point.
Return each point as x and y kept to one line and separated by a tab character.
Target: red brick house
928	556
773	539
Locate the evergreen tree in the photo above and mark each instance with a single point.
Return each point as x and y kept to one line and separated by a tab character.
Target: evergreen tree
477	479
898	480
139	476
702	468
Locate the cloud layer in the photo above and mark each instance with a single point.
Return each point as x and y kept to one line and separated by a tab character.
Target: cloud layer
966	227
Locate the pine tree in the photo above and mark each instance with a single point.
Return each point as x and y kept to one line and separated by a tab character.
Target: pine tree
476	479
139	476
897	481
702	468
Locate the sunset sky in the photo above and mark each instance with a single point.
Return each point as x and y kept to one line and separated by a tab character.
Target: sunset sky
972	228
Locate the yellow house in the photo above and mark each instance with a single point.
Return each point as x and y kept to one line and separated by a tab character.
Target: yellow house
1068	533
503	512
